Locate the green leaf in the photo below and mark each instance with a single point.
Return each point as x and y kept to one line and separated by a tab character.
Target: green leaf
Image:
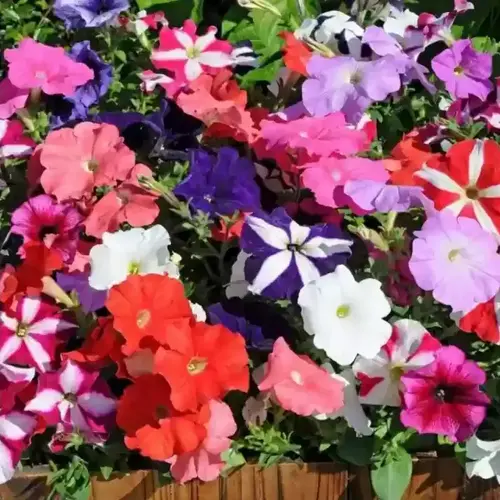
357	451
265	73
197	11
106	471
145	4
391	480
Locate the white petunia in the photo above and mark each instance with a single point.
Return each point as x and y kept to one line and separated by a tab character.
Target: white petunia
136	251
485	456
345	317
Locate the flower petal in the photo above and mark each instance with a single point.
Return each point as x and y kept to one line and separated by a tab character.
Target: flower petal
45	401
272	268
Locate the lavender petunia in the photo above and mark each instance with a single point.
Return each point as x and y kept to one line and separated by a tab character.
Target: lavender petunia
220	185
285	256
90	299
78	14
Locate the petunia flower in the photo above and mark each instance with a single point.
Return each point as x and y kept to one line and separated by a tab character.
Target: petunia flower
410	347
136	251
77	282
343	84
150	306
465	71
445	397
205	462
484	457
75	397
457	260
285	256
204	363
15	428
30	334
13	379
78	14
220	185
189	55
296	54
298	385
13	142
150	80
56	225
345	317
466	181
65	434
144	22
351	411
34	65
11	98
153	426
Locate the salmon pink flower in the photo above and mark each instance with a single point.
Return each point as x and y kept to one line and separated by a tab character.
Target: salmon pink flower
298	385
150	307
153	426
444	397
74	397
30	334
410	347
203	364
34	65
78	159
13	142
15	429
11	98
57	226
205	462
189	55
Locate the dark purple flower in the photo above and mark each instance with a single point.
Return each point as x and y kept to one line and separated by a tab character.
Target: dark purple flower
78	14
285	256
90	299
220	185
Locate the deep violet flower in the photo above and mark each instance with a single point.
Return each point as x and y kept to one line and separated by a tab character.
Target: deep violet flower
220	185
56	225
89	298
444	397
78	14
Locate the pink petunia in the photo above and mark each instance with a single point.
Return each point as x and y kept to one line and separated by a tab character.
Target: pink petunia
11	98
298	385
30	335
327	177
205	462
129	202
78	159
411	346
42	219
12	380
13	142
76	398
188	55
34	65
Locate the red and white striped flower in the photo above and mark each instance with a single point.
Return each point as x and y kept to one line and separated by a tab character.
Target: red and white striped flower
15	429
145	22
189	55
13	143
411	346
466	181
75	397
150	80
12	380
29	336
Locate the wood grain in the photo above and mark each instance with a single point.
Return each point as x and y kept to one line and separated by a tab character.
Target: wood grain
433	479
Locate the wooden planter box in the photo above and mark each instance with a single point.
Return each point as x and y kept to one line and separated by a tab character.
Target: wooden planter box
441	479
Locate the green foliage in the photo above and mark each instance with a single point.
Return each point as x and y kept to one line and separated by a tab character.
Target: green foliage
355	450
71	482
391	478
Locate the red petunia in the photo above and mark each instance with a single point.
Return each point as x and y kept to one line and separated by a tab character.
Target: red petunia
213	362
296	53
150	306
153	426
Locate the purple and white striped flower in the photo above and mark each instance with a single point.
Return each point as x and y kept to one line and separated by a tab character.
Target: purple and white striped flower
29	336
285	256
74	397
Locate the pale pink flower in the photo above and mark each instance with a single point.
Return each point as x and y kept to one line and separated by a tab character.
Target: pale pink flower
75	397
30	335
150	80
11	98
205	462
298	385
78	159
13	142
34	65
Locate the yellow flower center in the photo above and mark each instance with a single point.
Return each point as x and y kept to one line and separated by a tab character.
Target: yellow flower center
343	311
459	71
134	268
143	318
197	365
22	330
193	53
453	255
396	372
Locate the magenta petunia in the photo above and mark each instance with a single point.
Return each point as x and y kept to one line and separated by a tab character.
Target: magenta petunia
444	397
34	65
56	225
13	142
11	98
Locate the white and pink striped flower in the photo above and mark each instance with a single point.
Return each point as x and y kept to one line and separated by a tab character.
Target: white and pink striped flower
189	55
467	182
150	80
15	429
12	380
74	397
12	141
30	335
411	346
145	22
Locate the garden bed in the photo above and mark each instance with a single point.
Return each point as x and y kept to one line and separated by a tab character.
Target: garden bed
440	479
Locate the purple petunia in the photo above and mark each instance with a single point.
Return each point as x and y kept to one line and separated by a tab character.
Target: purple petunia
78	14
220	185
90	299
285	256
